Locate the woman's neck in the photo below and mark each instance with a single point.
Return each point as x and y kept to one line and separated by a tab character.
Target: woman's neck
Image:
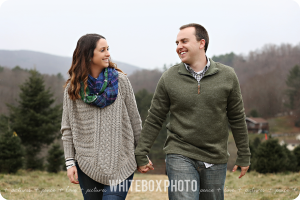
95	71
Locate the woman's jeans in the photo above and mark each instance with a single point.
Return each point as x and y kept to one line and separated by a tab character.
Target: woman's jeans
189	179
93	190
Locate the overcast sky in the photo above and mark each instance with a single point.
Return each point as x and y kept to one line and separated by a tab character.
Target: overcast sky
143	33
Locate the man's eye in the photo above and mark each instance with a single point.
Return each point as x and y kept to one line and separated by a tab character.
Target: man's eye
102	50
107	49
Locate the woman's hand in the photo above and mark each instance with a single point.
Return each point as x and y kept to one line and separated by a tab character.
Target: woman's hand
70	172
146	168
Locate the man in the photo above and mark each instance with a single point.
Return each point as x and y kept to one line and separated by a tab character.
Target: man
202	97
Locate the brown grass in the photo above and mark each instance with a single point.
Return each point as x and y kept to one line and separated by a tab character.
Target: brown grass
284	124
47	186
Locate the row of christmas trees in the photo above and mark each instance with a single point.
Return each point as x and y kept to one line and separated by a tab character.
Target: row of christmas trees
270	157
30	125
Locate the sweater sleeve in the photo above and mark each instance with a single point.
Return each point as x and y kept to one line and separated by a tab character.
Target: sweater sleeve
157	114
237	121
133	112
66	129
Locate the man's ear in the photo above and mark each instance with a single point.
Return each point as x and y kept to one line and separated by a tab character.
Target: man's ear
201	44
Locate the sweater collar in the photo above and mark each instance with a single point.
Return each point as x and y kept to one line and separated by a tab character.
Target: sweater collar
211	70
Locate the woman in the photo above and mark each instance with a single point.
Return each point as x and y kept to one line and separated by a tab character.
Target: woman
101	124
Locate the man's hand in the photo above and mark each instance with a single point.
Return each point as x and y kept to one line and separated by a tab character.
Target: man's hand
243	170
71	171
146	168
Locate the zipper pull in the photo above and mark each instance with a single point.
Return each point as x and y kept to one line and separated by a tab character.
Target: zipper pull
198	88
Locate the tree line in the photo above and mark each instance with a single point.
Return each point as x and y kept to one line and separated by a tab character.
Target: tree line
262	75
30	103
263	79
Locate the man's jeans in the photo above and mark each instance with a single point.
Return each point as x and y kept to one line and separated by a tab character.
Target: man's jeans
92	190
190	180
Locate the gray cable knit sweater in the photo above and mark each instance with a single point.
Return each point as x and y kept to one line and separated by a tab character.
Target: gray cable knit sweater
103	140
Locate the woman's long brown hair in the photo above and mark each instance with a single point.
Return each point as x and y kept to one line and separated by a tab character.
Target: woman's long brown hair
80	67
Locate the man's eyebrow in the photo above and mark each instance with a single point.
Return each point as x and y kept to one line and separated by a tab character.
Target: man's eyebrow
181	40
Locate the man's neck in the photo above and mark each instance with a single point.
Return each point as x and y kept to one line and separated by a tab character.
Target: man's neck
199	64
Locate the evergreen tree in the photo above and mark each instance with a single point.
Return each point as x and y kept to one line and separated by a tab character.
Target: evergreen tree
11	152
253	113
35	119
253	147
226	59
33	162
270	157
297	155
252	150
292	160
143	101
256	142
157	154
165	68
55	158
293	92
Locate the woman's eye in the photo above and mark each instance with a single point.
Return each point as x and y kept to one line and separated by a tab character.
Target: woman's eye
102	50
107	49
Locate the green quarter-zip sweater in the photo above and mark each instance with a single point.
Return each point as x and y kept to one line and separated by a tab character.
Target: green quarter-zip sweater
198	126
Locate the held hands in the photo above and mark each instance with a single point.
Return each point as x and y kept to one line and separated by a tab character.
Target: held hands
71	171
146	168
243	170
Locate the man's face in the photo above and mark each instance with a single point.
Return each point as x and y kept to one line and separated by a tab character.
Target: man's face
188	48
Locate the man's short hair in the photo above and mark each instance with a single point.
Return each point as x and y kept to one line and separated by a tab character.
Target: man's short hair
200	33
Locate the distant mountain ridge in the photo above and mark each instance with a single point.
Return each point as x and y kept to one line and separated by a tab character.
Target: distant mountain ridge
47	63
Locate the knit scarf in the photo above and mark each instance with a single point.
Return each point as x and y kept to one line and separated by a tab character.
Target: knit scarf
102	91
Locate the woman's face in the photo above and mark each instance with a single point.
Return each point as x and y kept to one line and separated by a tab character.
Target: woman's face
101	54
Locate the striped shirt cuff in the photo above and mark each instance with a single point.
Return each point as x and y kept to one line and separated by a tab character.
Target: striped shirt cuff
70	162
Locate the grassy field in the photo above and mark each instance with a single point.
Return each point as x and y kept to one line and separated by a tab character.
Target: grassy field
42	185
284	124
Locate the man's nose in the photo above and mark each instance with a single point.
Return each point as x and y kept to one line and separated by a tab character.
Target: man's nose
179	46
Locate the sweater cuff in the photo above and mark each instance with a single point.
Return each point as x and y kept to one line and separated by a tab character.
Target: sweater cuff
69	149
141	160
243	161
